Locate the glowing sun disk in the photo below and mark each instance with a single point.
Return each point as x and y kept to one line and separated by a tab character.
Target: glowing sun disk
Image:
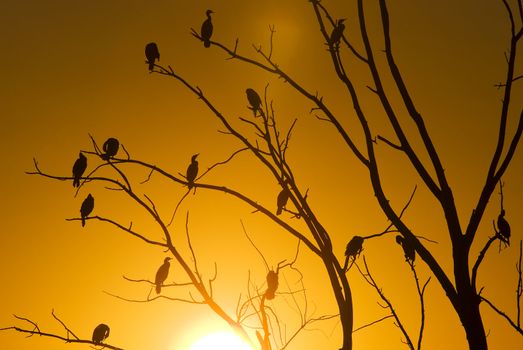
220	341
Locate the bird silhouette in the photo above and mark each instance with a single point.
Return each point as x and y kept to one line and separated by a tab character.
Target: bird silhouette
78	169
272	284
281	201
503	227
337	33
86	208
353	249
254	100
161	274
151	54
110	148
192	171
408	248
100	333
207	28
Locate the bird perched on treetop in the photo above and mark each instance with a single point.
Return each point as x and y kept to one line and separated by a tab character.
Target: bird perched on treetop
408	248
503	227
337	32
254	100
161	274
151	54
207	28
192	171
282	199
100	333
110	148
86	208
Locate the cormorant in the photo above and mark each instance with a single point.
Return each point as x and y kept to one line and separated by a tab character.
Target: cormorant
408	248
281	202
504	227
254	100
206	31
161	274
353	249
192	171
337	33
151	54
78	169
272	284
86	208
100	333
110	148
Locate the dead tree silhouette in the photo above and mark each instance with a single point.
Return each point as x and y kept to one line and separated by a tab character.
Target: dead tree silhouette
270	150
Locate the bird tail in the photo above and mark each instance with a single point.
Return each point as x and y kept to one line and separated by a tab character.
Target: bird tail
207	43
76	182
280	209
83	221
158	288
151	66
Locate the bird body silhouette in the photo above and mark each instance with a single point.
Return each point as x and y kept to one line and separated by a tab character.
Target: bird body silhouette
353	249
408	248
78	169
281	201
254	100
100	333
161	274
206	31
337	33
110	148
192	171
86	208
151	54
503	227
272	284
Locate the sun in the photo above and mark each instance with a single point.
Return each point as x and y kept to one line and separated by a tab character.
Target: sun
220	341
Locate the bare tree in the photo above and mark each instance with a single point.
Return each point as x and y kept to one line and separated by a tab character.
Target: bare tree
268	144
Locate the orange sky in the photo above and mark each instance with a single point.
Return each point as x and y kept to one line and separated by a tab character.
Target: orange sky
73	68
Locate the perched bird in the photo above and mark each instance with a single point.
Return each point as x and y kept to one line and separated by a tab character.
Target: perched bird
78	169
503	227
86	208
151	54
272	284
408	248
254	100
161	274
337	33
192	171
207	28
110	148
354	248
281	202
100	333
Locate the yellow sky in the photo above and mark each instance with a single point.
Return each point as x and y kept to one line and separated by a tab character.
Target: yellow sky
73	68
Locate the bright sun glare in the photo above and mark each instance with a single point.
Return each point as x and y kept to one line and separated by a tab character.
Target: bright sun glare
220	341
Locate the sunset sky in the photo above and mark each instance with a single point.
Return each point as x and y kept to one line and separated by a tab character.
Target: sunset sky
71	69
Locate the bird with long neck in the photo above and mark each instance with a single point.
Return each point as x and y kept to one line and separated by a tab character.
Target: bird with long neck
161	274
192	171
207	28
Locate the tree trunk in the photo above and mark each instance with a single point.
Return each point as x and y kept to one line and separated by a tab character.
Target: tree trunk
471	319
